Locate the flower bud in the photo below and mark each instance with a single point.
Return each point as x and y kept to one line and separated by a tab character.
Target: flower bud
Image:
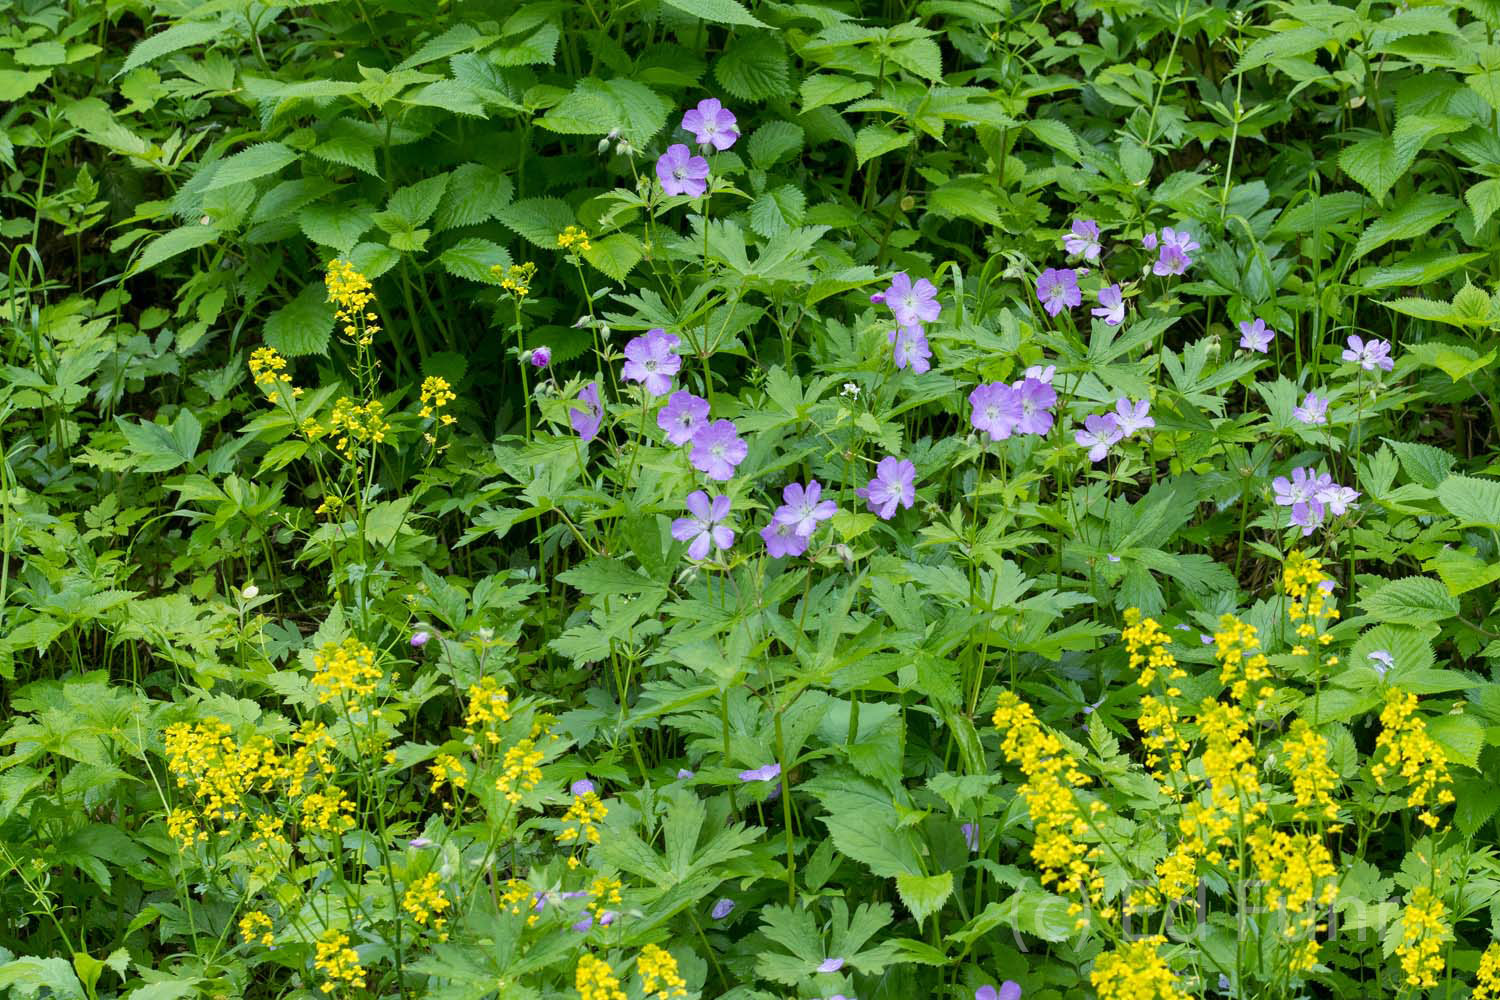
419	639
251	592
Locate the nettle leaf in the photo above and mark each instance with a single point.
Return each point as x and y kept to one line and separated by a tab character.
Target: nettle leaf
1413	217
302	326
773	142
598	107
473	259
615	255
16	84
822	89
337	226
717	11
1413	600
1484	200
1377	164
475	194
1475	502
754	68
1460	736
175	38
778	211
538	220
160	449
348	147
877	140
1424	464
1457	361
924	895
250	164
169	245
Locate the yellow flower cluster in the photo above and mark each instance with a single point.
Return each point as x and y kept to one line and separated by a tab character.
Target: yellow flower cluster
255	926
351	295
206	760
426	901
338	962
1487	979
604	891
345	670
267	367
489	705
1313	780
355	422
1134	971
1229	763
574	239
328	812
1310	609
517	892
1298	874
436	393
1408	756
182	826
1241	664
581	819
446	769
517	278
659	975
595	980
1423	937
1057	818
521	769
1147	643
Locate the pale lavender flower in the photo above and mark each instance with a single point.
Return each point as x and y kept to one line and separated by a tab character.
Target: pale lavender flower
1111	306
587	422
1037	399
582	926
419	843
1082	240
912	303
911	349
1010	990
1256	336
1172	258
996	409
1099	432
1298	489
782	540
1338	499
608	917
767	772
802	509
684	774
1133	417
717	449
1042	373
1058	290
1314	410
1148	242
971	836
893	485
581	787
877	299
831	965
682	416
1370	355
680	172
541	357
723	908
419	639
1182	241
712	124
705	528
652	361
1381	662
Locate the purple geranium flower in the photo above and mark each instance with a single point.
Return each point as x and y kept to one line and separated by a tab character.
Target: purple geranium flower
1037	399
1058	290
1338	499
1009	990
680	172
1082	240
831	965
782	540
893	485
586	422
541	357
1133	417
1148	242
684	774
912	303
1314	410
583	925
1381	661
705	528
1370	355
581	787
1111	305
1042	373
419	639
682	416
1300	493
996	409
768	772
1256	336
1100	431
1172	258
911	349
722	909
652	361
802	509
717	449
712	124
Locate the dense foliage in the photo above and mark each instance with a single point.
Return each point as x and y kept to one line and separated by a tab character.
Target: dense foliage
953	498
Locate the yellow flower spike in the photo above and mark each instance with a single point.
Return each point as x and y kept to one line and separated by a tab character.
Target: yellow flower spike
255	928
595	980
1406	755
580	822
1424	936
1134	971
521	769
425	901
659	976
1487	979
338	962
574	239
345	670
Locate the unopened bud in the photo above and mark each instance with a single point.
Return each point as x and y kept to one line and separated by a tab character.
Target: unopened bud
251	592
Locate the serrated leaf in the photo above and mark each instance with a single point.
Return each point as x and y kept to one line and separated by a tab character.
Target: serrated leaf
476	194
473	259
1474	501
1412	600
156	448
1425	465
754	68
175	38
772	142
1457	361
446	95
778	211
303	325
538	220
717	11
1484	200
924	895
877	140
615	255
1460	736
250	164
336	226
822	89
1413	217
16	84
1057	135
414	204
350	150
598	107
170	244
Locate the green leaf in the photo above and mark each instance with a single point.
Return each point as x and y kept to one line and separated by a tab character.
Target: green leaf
250	164
877	140
1413	600
1057	135
1457	361
538	220
413	205
1425	465
822	89
473	259
1475	502
754	68
475	194
773	142
1461	570
169	245
1460	736
607	576
924	895
179	36
28	976
159	449
1377	164
334	225
717	11
614	255
598	107
303	325
16	84
1484	200
1413	217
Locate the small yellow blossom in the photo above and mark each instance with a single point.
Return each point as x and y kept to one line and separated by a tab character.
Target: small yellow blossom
255	927
659	975
515	279
1424	935
574	239
338	962
1134	971
345	670
581	819
426	901
595	980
